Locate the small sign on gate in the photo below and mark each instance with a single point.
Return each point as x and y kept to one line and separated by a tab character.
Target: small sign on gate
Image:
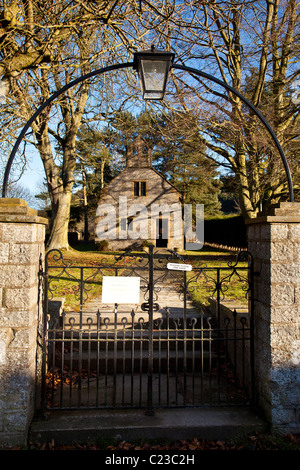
179	267
120	290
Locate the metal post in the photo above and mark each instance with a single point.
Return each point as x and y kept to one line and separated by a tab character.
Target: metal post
44	339
149	411
184	338
115	355
251	287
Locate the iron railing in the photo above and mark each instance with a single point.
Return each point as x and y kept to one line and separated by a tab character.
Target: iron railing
185	352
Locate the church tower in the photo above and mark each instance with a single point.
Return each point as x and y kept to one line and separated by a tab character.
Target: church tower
139	154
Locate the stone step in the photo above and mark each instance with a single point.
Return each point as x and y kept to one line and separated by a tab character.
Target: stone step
161	339
125	361
214	423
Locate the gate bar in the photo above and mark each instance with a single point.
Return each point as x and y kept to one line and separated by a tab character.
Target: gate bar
150	411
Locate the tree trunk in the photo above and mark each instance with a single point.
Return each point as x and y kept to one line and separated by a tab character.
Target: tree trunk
246	202
60	220
60	192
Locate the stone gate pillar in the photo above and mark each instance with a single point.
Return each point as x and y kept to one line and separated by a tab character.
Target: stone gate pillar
22	235
274	241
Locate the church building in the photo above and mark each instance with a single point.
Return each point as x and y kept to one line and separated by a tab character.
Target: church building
140	205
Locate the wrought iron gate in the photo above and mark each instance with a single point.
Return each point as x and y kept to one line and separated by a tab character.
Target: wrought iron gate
181	346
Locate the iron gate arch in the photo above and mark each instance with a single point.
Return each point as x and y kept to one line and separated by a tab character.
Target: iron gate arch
169	351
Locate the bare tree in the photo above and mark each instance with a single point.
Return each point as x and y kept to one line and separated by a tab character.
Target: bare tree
59	42
253	47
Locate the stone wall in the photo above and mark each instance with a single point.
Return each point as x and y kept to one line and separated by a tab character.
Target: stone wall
274	242
232	317
22	235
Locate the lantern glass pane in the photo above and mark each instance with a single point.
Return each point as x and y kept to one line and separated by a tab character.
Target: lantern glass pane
155	73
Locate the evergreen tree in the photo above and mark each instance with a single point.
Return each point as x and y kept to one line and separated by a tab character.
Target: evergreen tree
97	164
176	152
181	158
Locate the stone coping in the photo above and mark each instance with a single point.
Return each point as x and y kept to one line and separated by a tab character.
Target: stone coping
17	210
284	212
274	219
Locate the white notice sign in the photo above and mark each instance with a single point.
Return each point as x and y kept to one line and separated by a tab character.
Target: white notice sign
179	267
120	290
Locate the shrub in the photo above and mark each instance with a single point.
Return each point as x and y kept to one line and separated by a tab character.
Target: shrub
102	245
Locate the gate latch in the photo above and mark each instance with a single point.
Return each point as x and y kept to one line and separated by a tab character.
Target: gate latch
145	307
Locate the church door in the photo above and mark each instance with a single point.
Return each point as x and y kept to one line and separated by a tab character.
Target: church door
162	233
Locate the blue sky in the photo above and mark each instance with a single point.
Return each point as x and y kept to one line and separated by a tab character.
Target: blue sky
34	174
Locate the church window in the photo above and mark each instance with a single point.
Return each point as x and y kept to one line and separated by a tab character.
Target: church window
139	188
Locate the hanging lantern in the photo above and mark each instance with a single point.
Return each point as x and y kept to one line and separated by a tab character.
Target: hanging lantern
153	68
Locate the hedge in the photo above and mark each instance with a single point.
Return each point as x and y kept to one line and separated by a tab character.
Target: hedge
229	231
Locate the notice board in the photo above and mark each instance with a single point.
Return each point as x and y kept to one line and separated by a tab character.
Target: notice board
120	290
